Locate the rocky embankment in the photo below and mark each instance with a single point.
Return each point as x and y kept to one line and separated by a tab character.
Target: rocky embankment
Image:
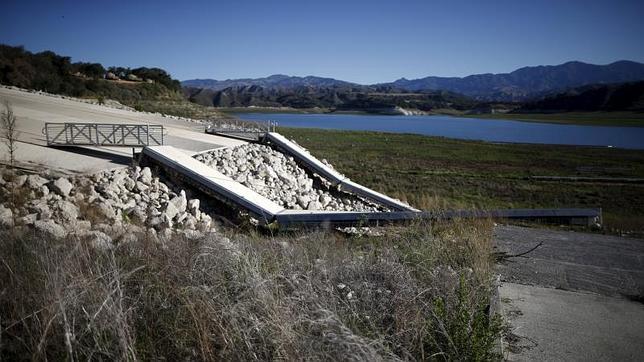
106	207
280	179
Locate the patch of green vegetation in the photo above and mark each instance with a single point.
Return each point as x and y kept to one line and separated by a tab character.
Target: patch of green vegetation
626	119
438	173
179	107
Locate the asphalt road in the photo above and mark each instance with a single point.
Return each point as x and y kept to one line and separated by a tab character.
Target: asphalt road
578	296
34	110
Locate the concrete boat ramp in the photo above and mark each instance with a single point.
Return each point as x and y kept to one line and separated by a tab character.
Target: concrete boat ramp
180	164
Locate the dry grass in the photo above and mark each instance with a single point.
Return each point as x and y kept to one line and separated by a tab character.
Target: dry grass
435	173
418	293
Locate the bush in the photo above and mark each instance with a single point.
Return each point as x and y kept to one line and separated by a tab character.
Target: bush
52	73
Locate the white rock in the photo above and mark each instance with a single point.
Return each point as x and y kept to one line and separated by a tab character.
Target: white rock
303	201
6	216
41	208
325	199
98	239
129	183
62	186
67	211
146	176
170	210
34	182
137	214
50	228
141	187
193	206
106	210
181	216
19	181
180	201
166	234
156	221
313	205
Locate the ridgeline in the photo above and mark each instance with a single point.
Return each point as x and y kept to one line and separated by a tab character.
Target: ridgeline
144	89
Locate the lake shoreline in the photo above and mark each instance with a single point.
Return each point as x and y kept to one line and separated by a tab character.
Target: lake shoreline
610	119
467	128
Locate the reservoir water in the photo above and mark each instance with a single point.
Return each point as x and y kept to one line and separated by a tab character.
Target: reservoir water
466	128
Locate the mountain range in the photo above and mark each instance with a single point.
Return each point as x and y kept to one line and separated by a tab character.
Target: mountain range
335	98
520	85
276	81
591	98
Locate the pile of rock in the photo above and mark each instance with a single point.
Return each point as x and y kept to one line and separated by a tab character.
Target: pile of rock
280	179
111	205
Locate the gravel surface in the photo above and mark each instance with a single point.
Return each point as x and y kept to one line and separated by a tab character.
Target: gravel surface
280	179
106	207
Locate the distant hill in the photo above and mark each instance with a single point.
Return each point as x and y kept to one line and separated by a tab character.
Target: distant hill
144	89
276	81
520	85
328	98
528	82
609	97
53	73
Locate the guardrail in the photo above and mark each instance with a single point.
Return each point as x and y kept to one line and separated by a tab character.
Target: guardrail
103	134
241	129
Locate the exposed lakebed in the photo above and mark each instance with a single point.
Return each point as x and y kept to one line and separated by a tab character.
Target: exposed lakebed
466	128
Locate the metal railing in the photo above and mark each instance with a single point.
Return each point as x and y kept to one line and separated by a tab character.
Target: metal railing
237	128
103	134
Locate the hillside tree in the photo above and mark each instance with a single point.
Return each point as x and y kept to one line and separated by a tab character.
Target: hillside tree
9	131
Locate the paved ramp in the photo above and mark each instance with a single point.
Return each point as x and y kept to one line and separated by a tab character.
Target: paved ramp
557	325
33	110
571	297
316	166
210	181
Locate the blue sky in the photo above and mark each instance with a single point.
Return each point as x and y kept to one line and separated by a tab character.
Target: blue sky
361	41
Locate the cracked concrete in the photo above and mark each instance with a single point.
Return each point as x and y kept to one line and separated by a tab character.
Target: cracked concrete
573	297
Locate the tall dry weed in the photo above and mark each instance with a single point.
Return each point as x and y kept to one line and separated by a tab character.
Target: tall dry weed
417	293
